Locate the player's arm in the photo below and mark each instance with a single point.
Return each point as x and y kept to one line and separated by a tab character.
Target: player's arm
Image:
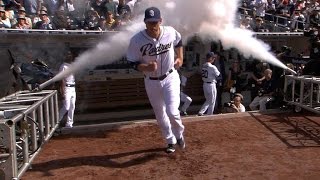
178	48
150	67
179	54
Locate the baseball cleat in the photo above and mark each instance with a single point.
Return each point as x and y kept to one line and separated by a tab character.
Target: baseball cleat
170	149
181	143
200	114
183	113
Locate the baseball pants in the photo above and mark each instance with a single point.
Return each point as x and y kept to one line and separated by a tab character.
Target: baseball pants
164	97
210	93
68	105
186	101
261	101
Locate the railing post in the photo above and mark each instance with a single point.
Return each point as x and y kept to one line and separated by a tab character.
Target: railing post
8	162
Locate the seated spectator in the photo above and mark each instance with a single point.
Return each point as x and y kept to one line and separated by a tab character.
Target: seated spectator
235	105
117	24
265	94
245	23
259	26
4	20
108	25
22	23
60	21
92	20
45	22
22	12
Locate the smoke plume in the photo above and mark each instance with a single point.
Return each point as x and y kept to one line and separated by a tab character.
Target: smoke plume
209	19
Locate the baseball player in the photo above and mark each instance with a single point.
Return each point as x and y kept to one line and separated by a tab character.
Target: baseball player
68	92
184	97
152	52
209	76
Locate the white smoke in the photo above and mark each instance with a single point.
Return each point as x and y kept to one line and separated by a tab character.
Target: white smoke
209	19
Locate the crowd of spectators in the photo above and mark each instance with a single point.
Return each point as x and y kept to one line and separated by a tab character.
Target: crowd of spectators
109	15
112	15
292	15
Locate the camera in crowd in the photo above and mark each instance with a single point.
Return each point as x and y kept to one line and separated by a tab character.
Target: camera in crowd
312	33
261	92
287	50
229	104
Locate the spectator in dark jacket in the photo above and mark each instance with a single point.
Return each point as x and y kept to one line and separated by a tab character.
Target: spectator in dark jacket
45	22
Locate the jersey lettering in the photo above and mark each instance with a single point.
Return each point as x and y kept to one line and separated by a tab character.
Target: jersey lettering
149	49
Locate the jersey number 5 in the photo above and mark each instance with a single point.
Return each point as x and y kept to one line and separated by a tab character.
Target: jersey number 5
204	73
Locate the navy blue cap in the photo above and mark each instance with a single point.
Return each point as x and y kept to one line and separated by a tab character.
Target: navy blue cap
210	54
152	14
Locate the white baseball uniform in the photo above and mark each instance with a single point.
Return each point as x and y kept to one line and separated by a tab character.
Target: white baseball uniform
184	97
209	77
69	97
162	85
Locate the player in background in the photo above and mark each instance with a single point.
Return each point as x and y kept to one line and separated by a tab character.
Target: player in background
152	51
209	77
68	92
184	98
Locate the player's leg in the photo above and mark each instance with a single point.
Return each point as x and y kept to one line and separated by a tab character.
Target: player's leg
206	92
263	101
155	95
186	102
212	98
71	109
65	106
254	104
171	89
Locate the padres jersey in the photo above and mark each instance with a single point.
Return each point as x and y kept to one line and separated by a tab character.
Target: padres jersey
144	49
209	73
69	79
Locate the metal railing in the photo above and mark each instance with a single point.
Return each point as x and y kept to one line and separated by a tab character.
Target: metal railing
279	21
27	121
55	32
303	92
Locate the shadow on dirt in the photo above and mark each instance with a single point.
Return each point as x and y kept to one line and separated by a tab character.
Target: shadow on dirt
296	131
112	161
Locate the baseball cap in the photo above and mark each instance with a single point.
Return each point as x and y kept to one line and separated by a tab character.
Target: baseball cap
43	13
210	54
21	17
152	14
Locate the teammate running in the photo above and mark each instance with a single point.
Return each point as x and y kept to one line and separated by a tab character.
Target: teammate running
151	51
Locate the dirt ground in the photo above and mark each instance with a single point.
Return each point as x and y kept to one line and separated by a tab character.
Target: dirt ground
251	146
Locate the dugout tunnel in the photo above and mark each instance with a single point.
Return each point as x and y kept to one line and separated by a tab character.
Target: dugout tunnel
28	119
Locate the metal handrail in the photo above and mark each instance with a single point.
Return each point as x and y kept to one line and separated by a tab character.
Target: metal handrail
276	19
307	96
28	129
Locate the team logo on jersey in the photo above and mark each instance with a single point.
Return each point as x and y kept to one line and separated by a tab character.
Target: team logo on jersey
151	13
150	50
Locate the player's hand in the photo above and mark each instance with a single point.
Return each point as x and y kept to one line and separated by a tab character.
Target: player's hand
152	66
178	63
